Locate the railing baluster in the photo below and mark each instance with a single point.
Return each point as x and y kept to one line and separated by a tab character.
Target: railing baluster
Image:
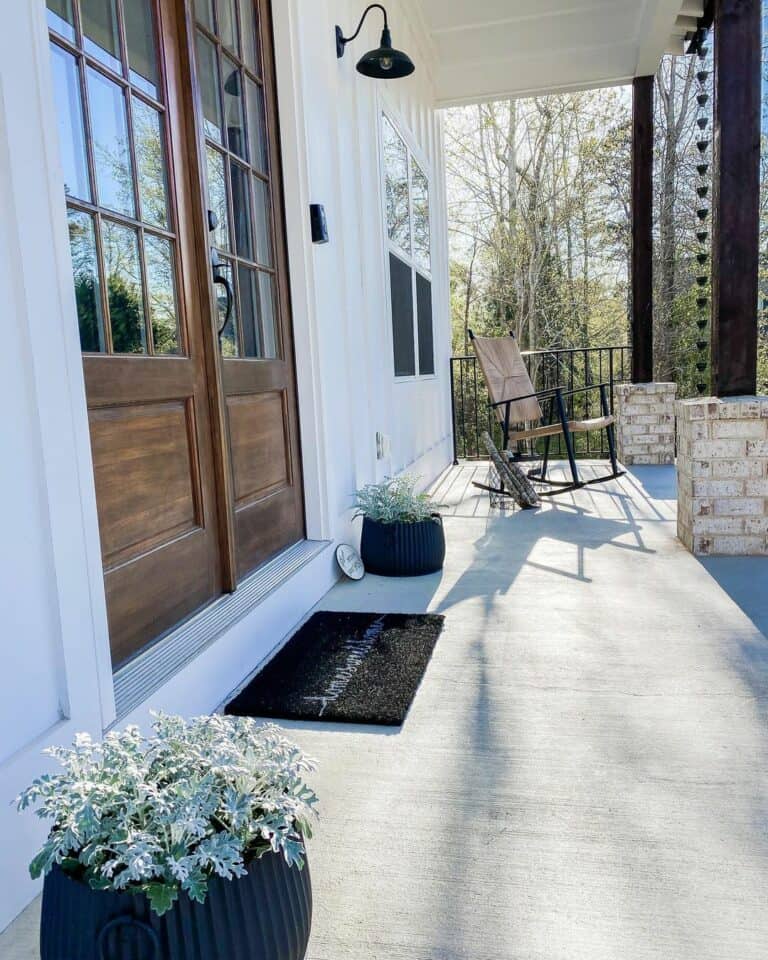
477	406
453	412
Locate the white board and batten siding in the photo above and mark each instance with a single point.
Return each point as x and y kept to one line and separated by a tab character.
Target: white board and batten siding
331	116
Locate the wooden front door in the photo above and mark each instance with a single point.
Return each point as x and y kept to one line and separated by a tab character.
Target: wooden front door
193	434
239	151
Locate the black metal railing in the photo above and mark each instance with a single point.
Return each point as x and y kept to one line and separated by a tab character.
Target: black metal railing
571	369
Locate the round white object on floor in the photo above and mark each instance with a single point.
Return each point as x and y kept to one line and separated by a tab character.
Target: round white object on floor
349	560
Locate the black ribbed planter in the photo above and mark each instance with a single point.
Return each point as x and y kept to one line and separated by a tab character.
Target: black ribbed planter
265	915
403	549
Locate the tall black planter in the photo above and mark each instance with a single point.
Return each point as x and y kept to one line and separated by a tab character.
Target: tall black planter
265	915
403	549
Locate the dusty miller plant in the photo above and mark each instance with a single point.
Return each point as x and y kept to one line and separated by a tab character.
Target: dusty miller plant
158	815
394	500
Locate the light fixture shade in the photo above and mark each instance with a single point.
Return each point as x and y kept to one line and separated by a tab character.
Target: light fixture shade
385	63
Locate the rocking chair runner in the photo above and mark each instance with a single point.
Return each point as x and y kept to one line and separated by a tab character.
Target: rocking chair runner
516	403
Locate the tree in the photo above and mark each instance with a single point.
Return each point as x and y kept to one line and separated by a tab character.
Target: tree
536	203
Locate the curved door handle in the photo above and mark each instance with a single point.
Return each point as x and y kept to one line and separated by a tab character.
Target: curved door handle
222	280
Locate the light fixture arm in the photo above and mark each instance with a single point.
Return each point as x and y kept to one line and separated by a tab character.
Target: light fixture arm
342	41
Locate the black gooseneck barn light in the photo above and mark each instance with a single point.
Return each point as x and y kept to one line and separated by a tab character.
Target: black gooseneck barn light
383	63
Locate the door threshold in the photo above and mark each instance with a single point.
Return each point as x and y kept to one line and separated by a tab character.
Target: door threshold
149	670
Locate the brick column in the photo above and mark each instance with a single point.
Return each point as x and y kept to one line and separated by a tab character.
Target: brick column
645	422
722	475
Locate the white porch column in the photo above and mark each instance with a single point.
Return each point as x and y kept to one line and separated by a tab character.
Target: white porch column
722	475
645	422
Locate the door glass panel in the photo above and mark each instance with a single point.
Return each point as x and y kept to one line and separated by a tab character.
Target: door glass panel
123	272
262	224
240	166
227	24
150	163
101	31
69	110
61	19
249	35
204	13
241	211
161	294
140	41
420	204
82	244
228	334
268	318
217	197
233	107
249	300
112	157
124	278
257	127
209	88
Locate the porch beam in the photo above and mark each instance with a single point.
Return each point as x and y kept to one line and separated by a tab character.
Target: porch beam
736	196
642	230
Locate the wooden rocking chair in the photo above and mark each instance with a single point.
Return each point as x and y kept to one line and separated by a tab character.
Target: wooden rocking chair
516	404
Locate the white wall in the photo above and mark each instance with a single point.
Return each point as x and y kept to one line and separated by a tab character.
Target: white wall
330	121
54	654
53	650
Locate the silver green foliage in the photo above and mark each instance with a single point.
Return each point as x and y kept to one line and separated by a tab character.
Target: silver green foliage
394	500
163	814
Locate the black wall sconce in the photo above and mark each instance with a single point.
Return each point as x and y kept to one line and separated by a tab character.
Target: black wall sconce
384	63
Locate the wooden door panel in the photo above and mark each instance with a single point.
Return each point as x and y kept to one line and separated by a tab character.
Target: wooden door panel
265	527
260	457
112	380
239	162
246	376
147	476
144	331
147	598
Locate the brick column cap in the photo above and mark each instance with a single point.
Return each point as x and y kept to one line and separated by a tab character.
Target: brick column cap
722	408
656	386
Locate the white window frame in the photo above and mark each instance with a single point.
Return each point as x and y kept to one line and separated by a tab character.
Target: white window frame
406	256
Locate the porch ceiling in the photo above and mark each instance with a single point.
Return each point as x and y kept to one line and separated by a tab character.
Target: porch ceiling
488	49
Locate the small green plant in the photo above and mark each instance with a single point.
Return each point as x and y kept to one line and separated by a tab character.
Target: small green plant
158	815
394	500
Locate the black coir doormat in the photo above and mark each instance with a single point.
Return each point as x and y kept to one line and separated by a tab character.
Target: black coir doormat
349	667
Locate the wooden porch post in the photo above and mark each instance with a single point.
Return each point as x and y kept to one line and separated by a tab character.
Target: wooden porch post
642	230
736	195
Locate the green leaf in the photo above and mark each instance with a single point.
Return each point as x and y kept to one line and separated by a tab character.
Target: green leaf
100	883
161	896
42	863
197	887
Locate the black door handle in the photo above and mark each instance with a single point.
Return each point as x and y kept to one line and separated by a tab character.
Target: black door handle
218	275
219	278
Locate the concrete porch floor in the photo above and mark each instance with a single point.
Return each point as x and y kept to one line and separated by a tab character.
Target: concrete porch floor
582	775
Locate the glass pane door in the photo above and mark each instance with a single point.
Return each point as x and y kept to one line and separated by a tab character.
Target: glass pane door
119	87
112	131
238	177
